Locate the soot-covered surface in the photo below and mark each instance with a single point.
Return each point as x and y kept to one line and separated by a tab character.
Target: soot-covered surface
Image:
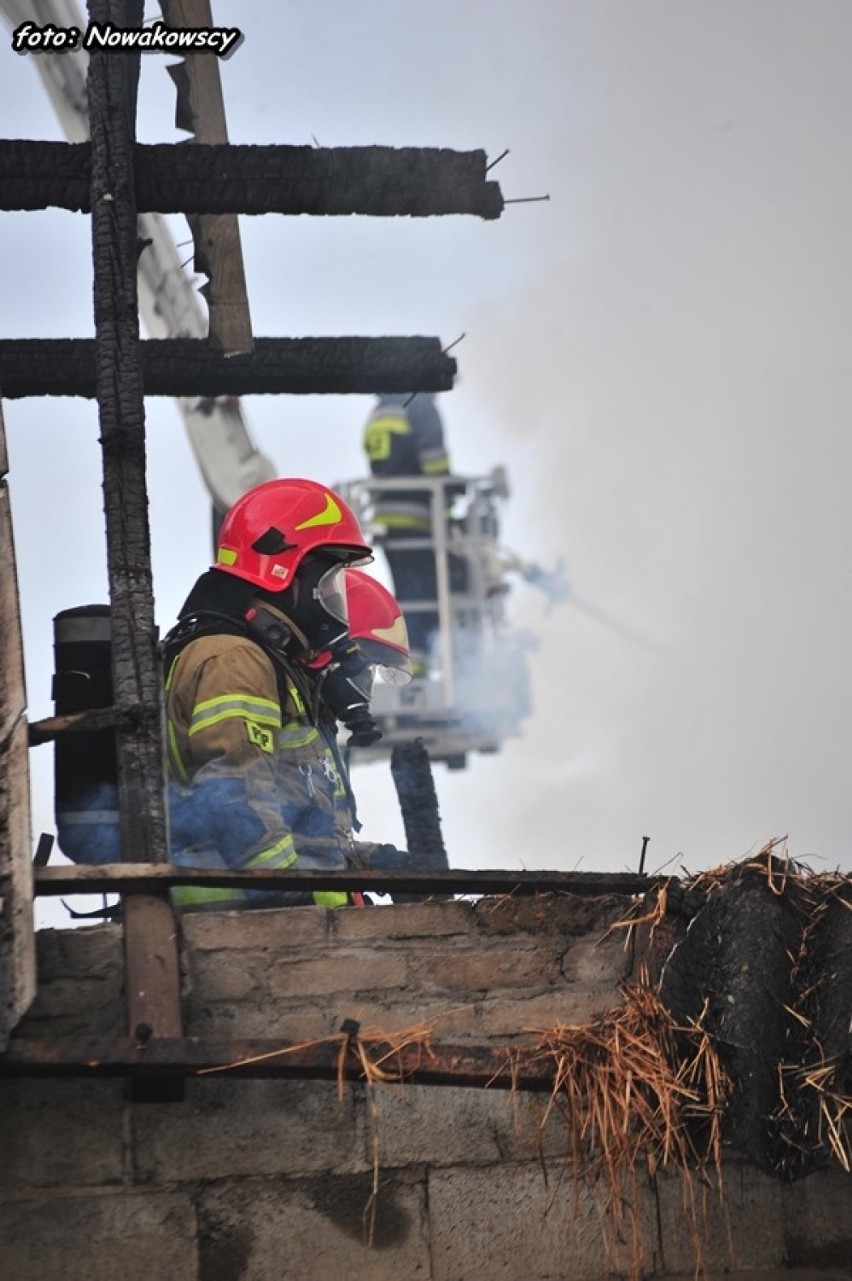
766	965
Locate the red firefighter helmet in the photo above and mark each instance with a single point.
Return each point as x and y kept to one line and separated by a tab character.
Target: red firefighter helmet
270	529
377	625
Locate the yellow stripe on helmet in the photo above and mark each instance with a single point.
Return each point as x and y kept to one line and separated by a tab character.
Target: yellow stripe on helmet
330	516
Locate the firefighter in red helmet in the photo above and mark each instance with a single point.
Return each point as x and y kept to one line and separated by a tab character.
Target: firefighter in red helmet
235	673
237	687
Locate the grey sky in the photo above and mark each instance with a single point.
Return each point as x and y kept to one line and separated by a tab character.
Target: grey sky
660	355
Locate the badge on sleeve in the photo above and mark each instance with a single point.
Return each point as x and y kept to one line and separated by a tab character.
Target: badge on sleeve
260	736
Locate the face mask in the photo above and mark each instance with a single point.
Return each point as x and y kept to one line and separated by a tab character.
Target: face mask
347	683
319	603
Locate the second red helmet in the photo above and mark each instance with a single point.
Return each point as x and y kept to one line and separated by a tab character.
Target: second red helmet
377	626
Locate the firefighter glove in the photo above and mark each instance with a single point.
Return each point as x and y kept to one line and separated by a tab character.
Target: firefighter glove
383	858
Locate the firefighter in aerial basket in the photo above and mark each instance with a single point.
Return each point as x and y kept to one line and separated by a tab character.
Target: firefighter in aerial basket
239	693
404	437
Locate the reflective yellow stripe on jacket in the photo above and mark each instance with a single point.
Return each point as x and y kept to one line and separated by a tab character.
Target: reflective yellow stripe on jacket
295	734
434	462
175	759
226	706
278	857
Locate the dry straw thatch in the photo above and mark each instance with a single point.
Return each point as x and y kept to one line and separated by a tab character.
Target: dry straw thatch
638	1093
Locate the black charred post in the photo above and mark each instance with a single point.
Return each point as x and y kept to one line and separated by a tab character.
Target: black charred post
118	383
277	366
152	975
417	182
415	787
734	972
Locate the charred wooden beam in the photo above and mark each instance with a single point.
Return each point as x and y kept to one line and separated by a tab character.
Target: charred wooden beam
417	182
450	1064
111	878
117	368
152	979
52	727
44	175
277	366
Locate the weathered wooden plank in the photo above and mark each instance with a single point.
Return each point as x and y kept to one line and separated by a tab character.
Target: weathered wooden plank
417	182
17	947
152	977
150	944
219	257
277	366
107	879
218	250
439	1064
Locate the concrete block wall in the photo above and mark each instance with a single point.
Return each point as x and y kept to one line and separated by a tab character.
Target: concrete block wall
478	972
271	1180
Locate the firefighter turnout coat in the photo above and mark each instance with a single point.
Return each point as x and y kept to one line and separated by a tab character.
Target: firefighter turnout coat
254	783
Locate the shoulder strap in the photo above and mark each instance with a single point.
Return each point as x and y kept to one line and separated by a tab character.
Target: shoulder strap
266	628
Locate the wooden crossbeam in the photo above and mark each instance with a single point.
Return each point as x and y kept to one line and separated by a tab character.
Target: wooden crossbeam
213	1058
53	727
277	366
112	878
417	182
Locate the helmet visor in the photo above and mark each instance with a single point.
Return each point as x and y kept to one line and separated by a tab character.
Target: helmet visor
396	675
330	593
392	664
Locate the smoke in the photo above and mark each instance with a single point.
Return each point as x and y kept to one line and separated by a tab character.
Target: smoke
88	832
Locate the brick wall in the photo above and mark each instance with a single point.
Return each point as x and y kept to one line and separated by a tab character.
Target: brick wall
264	1180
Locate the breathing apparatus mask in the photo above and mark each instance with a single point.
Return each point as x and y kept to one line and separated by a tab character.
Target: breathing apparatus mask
346	682
345	685
315	619
376	642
